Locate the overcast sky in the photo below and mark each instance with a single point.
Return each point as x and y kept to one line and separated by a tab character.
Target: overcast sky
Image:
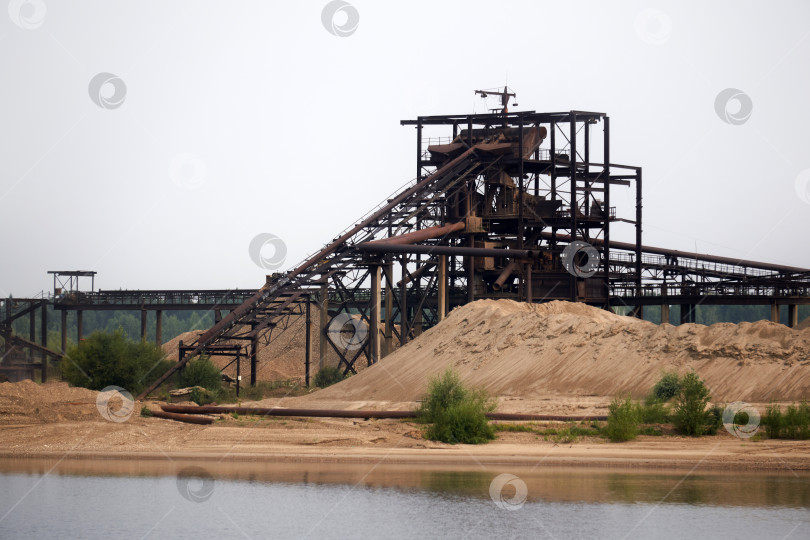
220	121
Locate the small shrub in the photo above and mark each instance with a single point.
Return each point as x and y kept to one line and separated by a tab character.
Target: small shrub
667	387
566	436
456	414
652	413
327	376
110	359
690	416
146	411
714	419
773	421
201	371
651	431
201	397
519	428
622	423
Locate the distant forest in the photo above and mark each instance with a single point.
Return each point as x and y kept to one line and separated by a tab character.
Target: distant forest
178	322
174	324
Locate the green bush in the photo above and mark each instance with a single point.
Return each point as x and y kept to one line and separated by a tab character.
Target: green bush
201	371
714	419
201	397
773	421
622	423
110	359
793	423
690	415
666	388
456	414
327	376
652	413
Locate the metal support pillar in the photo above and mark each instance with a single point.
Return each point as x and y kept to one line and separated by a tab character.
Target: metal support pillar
442	294
664	313
638	233
606	184
323	346
159	327
687	313
254	350
528	281
44	338
403	305
308	341
238	370
79	325
389	308
775	313
574	207
64	331
376	306
793	315
143	324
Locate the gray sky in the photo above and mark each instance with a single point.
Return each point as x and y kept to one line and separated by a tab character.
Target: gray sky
241	118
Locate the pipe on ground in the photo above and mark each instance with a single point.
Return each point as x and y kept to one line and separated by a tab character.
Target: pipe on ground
342	413
183	417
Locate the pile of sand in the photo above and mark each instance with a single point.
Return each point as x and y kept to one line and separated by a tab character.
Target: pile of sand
804	325
533	351
26	402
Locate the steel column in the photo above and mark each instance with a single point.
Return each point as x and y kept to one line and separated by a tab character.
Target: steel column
376	291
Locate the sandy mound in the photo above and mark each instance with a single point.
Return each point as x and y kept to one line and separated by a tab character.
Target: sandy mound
27	402
533	351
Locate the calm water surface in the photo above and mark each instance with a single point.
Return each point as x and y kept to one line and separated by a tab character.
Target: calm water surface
121	499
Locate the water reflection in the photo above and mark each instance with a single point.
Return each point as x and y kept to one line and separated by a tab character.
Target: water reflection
548	484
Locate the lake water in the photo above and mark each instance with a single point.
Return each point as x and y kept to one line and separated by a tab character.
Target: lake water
202	499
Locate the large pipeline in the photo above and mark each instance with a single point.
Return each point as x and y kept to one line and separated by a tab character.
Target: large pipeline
504	275
373	247
183	417
421	235
341	413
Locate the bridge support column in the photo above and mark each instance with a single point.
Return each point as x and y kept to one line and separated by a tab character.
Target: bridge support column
79	326
528	281
254	349
376	306
442	300
687	313
324	322
775	313
403	306
143	325
64	331
159	327
389	308
664	313
793	315
637	312
44	332
308	342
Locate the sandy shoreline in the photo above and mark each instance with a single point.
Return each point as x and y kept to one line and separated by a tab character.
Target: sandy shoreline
375	442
